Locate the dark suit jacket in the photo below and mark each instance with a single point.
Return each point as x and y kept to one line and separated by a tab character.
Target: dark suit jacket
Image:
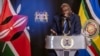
75	23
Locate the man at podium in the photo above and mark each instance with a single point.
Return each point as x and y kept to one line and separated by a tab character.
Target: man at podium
66	23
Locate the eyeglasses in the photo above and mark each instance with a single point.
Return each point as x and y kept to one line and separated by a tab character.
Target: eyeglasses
64	10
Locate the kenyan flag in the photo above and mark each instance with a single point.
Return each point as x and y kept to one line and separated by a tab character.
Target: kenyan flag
14	37
7	49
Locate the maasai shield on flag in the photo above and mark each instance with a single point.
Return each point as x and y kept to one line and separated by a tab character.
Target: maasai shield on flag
90	9
5	11
14	37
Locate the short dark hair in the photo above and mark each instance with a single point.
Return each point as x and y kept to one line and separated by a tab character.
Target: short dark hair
66	5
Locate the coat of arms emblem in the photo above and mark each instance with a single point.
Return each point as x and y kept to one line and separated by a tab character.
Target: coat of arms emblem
67	42
41	16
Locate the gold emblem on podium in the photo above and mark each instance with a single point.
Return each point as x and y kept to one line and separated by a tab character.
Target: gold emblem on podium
67	42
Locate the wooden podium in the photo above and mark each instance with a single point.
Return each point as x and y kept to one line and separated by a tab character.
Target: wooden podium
65	43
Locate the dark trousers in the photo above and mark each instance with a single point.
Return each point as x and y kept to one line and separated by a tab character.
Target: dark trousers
51	53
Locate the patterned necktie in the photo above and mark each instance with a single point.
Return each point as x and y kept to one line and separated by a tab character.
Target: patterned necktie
65	31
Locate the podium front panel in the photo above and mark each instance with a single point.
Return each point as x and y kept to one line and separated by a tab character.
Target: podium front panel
54	42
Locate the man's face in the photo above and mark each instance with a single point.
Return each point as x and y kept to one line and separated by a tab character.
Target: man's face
65	11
